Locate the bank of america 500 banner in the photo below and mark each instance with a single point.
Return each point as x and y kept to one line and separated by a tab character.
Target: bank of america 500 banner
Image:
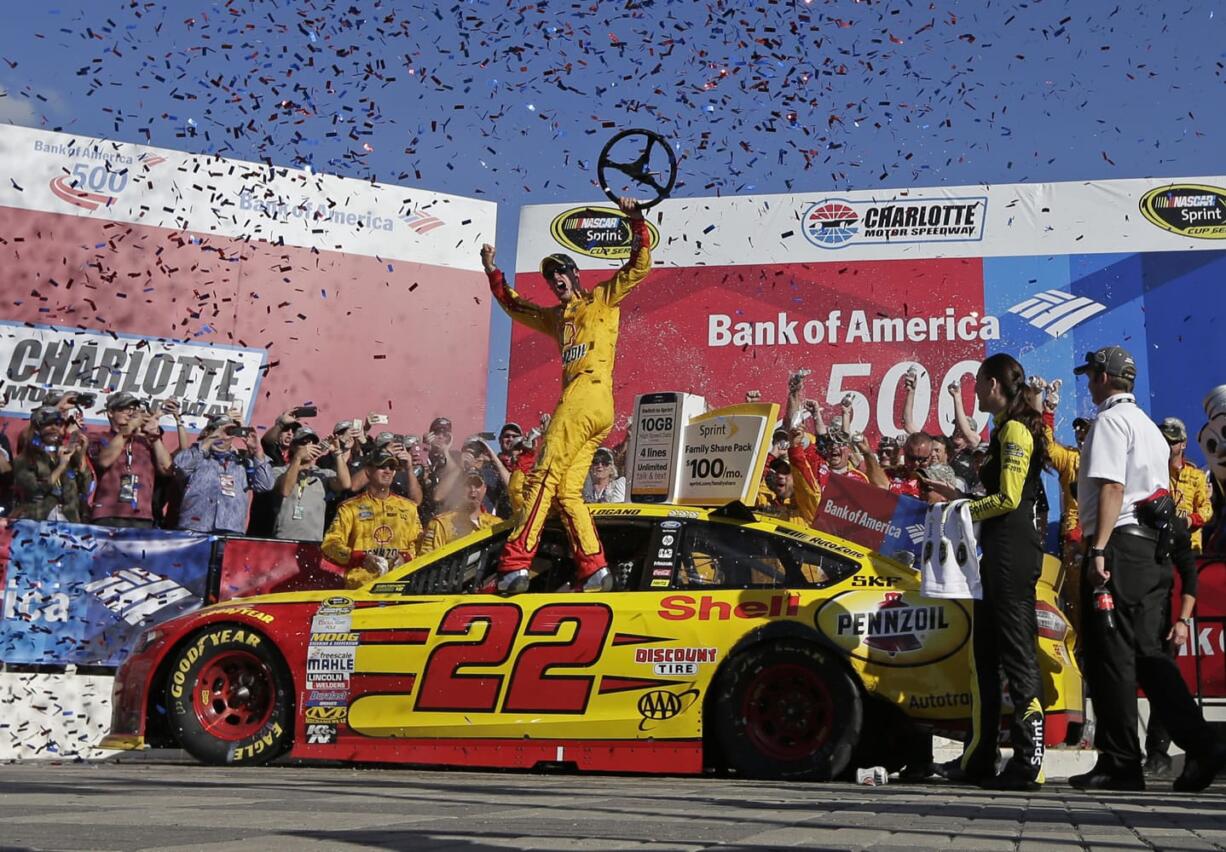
861	287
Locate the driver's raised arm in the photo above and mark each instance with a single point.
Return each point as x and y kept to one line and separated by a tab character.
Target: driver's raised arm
517	307
637	265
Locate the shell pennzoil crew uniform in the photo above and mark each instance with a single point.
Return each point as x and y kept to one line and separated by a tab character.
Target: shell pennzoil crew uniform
1005	633
585	329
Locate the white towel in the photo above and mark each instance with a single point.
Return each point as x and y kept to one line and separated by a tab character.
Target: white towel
950	564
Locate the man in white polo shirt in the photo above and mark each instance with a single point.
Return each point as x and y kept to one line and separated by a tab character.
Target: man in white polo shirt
1124	462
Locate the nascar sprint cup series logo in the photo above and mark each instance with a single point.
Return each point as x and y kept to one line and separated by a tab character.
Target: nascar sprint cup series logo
602	232
1187	209
836	222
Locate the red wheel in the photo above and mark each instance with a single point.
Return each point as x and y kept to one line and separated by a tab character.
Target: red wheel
233	695
230	696
786	709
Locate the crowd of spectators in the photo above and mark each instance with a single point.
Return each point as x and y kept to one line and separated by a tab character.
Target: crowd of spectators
296	482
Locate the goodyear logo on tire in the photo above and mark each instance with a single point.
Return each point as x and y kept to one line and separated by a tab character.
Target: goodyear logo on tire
602	232
1187	209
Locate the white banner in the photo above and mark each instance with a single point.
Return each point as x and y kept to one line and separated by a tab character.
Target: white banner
1010	220
201	195
204	379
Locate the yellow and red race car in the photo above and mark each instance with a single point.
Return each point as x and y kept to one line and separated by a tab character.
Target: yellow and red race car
732	640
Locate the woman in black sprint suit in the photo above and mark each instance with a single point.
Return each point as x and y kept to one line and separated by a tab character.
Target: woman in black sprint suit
1005	632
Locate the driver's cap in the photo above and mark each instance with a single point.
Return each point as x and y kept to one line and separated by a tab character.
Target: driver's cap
558	260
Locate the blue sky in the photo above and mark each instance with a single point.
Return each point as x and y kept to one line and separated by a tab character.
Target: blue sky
513	101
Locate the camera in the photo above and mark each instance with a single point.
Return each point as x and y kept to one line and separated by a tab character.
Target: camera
239	431
304	411
85	399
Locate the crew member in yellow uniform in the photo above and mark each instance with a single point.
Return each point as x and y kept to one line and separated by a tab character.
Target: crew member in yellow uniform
1066	461
1005	630
585	326
1189	484
375	531
468	518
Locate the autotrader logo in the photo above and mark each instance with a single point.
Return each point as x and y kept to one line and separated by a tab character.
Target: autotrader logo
1055	312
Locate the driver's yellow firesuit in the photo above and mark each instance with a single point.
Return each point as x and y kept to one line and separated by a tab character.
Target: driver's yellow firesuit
586	331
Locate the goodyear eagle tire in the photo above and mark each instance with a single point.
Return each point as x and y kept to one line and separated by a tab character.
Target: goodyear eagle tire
786	710
230	697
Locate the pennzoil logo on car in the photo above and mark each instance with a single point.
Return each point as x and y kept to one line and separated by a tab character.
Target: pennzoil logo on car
602	232
1187	209
900	629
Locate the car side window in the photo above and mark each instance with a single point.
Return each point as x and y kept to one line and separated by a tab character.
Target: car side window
812	567
457	572
730	557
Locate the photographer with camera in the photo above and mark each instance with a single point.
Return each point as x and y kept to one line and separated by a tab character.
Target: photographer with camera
52	476
219	475
302	486
126	462
1126	511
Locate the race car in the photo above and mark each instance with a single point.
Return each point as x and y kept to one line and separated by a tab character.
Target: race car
732	640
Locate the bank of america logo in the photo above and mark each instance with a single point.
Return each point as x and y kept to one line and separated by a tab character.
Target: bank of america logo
422	223
134	594
916	533
1056	312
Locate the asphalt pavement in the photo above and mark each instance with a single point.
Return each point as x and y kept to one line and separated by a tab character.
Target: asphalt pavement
185	806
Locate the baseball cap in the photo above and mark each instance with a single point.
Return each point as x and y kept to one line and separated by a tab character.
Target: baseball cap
780	465
604	454
473	478
1113	360
941	473
780	435
378	458
214	423
384	438
440	424
510	427
121	399
1173	430
1081	423
45	415
304	434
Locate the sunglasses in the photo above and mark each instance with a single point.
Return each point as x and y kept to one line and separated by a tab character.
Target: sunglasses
388	466
917	459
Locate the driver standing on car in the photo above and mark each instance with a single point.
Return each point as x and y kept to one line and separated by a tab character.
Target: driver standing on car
585	326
